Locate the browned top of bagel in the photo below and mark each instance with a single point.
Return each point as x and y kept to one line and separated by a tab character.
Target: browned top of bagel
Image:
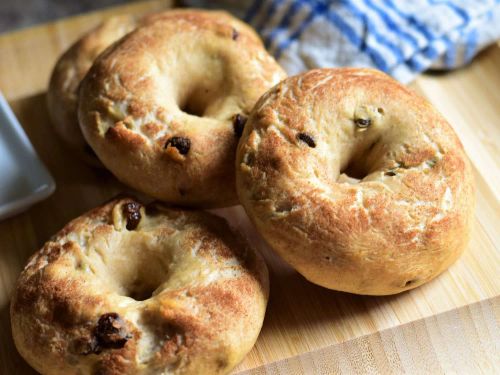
159	107
127	289
403	218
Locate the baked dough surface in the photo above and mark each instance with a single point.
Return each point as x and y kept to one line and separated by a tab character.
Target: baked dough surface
128	289
356	181
162	108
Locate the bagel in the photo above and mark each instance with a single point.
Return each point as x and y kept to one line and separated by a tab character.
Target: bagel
355	181
128	289
62	94
163	107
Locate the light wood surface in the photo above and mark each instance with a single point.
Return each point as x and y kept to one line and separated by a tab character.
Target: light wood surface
317	330
453	342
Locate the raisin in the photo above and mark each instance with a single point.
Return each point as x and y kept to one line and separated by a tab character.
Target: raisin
239	122
306	138
180	143
111	332
132	212
235	34
363	123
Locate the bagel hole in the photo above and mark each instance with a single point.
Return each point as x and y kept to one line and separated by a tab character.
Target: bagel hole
363	161
196	101
193	108
136	268
148	276
354	172
141	290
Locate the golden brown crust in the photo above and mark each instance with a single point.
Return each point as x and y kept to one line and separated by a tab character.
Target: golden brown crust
200	295
403	224
158	106
62	94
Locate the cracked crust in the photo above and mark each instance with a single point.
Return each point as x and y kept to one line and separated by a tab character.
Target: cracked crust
179	294
356	181
184	75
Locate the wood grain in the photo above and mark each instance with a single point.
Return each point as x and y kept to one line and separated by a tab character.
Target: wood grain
355	331
452	342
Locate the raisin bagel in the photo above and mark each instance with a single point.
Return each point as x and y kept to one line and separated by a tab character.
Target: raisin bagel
164	106
127	289
62	94
356	181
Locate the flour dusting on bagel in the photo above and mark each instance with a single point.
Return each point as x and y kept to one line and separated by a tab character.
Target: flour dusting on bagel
175	292
355	181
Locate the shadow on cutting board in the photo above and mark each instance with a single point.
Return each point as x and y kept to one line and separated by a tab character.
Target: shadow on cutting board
298	305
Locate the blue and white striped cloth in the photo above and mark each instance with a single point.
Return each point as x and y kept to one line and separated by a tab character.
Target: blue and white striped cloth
402	38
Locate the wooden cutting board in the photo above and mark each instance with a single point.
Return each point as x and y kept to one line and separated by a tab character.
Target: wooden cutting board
448	325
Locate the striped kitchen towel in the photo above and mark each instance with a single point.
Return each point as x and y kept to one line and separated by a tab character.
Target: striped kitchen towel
402	38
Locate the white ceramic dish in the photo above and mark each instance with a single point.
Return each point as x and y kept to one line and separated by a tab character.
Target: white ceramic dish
24	180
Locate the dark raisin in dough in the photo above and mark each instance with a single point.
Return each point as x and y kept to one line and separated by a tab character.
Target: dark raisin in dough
111	332
363	122
180	143
306	138
132	212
